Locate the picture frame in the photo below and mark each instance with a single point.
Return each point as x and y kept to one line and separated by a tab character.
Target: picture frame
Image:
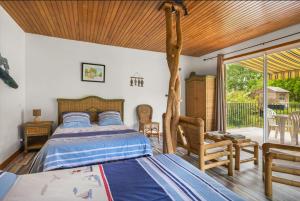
91	72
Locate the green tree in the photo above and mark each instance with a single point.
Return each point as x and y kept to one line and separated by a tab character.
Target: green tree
240	78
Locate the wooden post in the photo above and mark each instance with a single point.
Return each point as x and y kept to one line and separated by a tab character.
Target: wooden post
173	50
268	174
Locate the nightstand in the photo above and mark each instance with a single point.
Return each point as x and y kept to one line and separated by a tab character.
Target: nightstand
36	134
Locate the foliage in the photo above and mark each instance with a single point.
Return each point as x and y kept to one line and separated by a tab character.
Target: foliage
239	97
242	79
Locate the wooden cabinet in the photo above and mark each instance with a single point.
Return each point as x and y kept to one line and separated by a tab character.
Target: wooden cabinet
200	98
36	134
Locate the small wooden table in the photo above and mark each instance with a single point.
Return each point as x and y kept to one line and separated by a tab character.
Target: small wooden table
239	143
36	134
281	120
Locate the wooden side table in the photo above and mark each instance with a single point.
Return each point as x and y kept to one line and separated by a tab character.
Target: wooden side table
36	134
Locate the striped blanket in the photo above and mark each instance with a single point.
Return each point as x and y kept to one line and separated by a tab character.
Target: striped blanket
162	177
74	147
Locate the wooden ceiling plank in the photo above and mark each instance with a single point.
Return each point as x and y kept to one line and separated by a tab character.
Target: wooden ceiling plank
144	35
11	9
95	5
64	21
111	19
132	34
121	15
66	12
132	13
99	22
104	14
45	13
22	8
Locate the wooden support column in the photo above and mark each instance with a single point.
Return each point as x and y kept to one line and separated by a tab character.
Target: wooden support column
173	50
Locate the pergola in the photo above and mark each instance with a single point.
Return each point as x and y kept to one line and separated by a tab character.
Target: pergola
281	65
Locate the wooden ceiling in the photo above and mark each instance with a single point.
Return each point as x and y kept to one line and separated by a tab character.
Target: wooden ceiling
211	25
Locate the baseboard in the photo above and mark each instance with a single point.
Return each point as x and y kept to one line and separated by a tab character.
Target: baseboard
10	159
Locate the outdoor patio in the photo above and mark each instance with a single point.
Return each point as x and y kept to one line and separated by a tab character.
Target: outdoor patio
256	134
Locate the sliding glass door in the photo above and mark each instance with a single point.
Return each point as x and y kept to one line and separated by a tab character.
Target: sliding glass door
263	97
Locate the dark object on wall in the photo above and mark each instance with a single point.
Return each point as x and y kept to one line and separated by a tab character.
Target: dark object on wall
4	74
136	80
92	72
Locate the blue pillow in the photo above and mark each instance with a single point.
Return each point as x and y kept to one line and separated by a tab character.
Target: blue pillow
76	120
109	118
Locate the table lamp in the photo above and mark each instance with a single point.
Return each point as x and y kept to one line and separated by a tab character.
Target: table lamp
36	113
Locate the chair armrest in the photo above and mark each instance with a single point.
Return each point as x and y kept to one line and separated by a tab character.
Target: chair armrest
268	146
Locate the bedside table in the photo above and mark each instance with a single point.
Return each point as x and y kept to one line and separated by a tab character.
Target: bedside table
36	134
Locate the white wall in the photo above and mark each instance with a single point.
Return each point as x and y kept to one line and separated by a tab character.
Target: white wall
209	66
53	68
12	101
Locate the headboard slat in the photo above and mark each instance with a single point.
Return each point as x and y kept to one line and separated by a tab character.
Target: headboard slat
91	104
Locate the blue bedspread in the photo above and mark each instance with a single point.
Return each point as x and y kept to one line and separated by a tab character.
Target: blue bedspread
6	182
162	177
67	150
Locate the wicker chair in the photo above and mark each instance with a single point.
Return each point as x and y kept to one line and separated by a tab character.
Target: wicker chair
269	165
193	130
295	119
146	126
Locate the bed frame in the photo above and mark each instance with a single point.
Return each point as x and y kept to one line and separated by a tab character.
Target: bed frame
91	104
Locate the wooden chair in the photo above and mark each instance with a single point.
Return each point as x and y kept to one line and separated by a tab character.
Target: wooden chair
295	119
269	166
193	130
146	126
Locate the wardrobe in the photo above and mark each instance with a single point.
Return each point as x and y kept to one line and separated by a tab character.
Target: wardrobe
200	98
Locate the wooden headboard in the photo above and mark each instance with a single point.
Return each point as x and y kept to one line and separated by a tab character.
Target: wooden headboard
91	104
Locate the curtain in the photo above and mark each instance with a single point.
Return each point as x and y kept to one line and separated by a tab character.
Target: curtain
220	95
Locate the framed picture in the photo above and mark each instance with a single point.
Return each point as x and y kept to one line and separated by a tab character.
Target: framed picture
92	72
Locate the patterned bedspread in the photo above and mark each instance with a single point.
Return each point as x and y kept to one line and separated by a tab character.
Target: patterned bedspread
162	177
74	147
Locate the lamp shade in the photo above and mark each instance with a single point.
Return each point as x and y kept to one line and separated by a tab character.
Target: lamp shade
36	112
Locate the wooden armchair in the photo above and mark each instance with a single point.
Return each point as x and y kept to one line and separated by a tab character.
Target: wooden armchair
270	166
193	130
146	126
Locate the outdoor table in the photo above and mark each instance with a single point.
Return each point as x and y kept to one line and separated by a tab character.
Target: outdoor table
281	120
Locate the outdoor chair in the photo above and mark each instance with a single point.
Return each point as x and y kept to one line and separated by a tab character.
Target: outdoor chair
295	119
211	154
272	125
146	125
289	165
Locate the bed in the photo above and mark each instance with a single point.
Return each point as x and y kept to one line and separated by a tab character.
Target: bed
74	147
161	177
